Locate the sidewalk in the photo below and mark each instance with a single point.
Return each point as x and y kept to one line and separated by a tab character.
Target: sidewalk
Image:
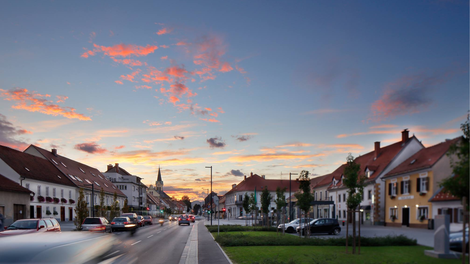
202	248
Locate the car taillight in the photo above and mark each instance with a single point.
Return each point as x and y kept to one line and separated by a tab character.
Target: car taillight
113	223
179	219
126	223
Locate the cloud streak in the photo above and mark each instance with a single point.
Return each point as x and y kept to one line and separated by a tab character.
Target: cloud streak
35	102
215	142
91	148
8	134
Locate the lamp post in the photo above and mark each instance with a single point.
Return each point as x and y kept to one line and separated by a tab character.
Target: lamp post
207	167
92	198
290	194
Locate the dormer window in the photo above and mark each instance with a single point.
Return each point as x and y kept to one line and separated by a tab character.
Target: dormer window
63	164
413	161
97	183
81	170
55	162
59	177
26	169
89	182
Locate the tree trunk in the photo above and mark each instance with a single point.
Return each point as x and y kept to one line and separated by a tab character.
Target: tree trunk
354	232
347	229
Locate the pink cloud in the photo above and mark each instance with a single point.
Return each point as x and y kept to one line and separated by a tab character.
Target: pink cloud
164	57
35	102
226	67
164	31
118	82
176	71
111	33
92	36
130	77
143	87
164	46
121	50
119	147
208	109
240	69
61	99
129	62
221	110
181	43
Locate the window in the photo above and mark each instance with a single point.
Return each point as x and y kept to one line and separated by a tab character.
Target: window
339	198
422	213
393	213
70	194
344	213
405	187
369	194
47	191
39	189
321	196
393	188
61	193
424	185
326	195
27	186
344	197
53	192
316	196
460	215
241	198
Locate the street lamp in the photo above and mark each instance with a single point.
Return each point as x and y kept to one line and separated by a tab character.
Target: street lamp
92	198
207	167
290	194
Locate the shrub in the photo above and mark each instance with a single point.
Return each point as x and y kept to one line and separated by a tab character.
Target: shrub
240	239
232	228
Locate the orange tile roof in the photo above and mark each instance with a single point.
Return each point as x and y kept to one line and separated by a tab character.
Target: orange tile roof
259	182
8	185
423	159
443	196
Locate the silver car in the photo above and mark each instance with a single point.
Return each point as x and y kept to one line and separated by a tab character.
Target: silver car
292	225
96	224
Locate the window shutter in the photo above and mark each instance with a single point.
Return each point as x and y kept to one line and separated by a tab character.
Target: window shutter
456	215
409	186
427	185
439	211
418	185
401	187
389	189
449	212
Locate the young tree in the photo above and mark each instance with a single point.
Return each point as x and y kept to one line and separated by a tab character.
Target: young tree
280	203
196	209
81	210
115	207
246	206
185	199
458	183
304	198
252	205
355	184
266	199
125	207
102	209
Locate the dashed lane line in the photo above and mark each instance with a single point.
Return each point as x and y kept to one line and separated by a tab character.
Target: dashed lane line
136	242
150	236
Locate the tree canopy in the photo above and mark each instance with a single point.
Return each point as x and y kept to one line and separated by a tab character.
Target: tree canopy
354	182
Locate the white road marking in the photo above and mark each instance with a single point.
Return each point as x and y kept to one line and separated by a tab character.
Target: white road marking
136	242
111	253
150	236
159	232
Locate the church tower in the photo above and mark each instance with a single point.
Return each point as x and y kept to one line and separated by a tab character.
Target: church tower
159	183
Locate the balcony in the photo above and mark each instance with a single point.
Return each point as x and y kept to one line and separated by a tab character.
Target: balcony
239	202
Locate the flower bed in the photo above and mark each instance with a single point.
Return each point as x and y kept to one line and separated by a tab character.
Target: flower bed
63	200
49	199
41	198
56	200
71	201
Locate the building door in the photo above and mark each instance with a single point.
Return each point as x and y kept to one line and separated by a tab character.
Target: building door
62	213
38	211
70	214
31	211
405	216
19	211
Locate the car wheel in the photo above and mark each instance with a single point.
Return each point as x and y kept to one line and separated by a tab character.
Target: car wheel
179	224
290	230
336	231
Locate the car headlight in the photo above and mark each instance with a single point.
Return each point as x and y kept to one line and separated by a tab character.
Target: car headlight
457	239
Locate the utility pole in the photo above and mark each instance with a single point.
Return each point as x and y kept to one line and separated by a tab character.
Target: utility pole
290	194
211	191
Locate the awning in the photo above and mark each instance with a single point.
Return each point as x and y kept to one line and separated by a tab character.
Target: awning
365	207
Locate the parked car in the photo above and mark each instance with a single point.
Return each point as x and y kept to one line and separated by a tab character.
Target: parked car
148	220
455	240
122	223
292	225
96	224
26	226
132	217
184	220
140	221
321	225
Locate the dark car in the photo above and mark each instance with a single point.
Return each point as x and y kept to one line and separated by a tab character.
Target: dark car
132	217
148	220
292	225
455	240
140	220
96	224
192	218
26	226
184	220
122	223
322	225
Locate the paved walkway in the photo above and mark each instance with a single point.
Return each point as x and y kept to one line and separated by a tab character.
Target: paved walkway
202	248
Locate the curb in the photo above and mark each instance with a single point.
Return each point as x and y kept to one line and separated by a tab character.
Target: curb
229	261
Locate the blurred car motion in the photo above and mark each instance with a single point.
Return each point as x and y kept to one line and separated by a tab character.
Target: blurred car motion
173	218
55	247
96	224
184	220
192	218
131	216
122	224
26	226
140	220
148	220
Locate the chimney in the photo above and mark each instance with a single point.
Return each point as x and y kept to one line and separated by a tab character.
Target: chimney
54	152
251	174
116	165
264	176
110	166
377	148
404	135
245	178
234	185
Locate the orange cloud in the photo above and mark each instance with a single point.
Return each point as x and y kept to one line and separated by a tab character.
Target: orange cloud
297	144
181	43
164	31
164	57
121	50
119	147
61	99
225	67
35	102
221	110
176	71
129	62
212	120
118	82
130	77
208	109
240	69
164	46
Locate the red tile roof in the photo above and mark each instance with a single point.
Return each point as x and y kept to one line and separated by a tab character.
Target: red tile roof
32	167
8	185
442	196
423	159
259	182
80	174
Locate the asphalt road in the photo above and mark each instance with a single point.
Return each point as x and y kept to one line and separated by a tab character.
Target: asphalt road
153	243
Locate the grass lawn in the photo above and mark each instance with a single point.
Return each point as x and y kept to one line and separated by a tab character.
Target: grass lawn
329	254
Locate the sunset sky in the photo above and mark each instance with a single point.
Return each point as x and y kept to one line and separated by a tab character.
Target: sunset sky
268	87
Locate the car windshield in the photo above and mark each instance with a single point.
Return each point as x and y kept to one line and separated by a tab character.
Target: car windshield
92	221
119	219
147	217
296	221
31	224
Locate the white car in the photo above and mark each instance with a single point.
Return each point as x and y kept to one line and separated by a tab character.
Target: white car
291	226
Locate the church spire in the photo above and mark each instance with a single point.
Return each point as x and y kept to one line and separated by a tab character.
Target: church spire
159	178
159	183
